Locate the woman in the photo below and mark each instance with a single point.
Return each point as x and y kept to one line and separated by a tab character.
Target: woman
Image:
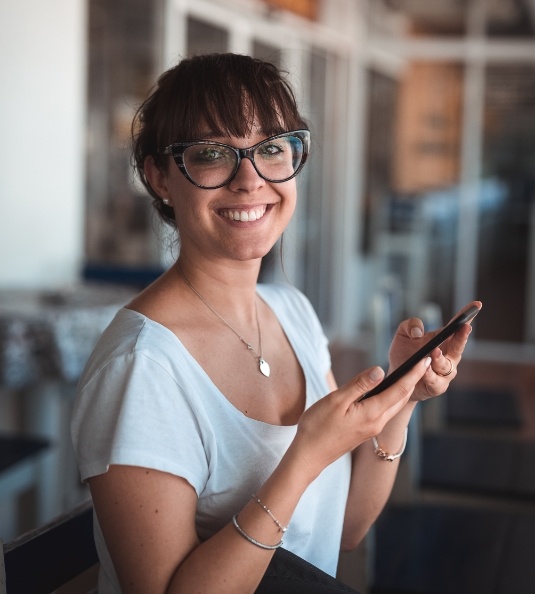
208	423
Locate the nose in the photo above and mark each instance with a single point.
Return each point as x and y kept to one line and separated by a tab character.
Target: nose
246	178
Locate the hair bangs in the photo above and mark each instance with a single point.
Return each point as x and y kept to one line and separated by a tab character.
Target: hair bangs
230	96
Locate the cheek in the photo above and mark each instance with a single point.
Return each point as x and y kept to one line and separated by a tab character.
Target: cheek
193	210
186	197
290	196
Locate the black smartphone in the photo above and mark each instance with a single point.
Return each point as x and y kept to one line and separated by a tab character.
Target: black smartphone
437	340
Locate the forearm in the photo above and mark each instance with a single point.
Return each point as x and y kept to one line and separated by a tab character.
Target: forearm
148	517
372	479
228	562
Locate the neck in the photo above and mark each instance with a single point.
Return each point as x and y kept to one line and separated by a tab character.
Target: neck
248	309
229	289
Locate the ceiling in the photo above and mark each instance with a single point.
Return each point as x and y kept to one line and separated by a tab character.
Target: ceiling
504	17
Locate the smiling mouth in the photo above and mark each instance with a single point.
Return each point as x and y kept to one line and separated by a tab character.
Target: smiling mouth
244	216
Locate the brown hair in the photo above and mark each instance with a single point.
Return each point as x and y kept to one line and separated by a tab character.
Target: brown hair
225	92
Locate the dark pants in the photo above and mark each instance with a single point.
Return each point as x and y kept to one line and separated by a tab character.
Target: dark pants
289	574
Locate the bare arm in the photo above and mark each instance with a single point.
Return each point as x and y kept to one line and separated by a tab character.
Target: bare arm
372	478
148	517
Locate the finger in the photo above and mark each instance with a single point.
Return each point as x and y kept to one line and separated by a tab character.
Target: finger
397	395
363	383
444	366
379	409
413	328
416	328
467	325
455	344
453	348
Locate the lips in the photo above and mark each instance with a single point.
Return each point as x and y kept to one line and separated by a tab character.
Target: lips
243	215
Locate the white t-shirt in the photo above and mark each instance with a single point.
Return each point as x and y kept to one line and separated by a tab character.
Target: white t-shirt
144	401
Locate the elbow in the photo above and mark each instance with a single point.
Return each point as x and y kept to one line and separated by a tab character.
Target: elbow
348	546
352	540
354	532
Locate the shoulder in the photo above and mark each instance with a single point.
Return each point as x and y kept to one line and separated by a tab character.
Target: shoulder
295	313
137	388
283	295
131	336
289	304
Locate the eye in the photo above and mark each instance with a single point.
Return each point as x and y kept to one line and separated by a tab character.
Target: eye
272	149
209	154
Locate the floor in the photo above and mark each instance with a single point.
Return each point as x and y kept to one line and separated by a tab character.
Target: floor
471	522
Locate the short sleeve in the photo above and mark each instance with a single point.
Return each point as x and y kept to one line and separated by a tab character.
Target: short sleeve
133	412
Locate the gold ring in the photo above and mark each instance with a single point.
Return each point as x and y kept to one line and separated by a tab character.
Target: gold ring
451	369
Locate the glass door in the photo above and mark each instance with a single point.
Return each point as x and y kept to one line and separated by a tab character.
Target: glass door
505	270
411	201
451	192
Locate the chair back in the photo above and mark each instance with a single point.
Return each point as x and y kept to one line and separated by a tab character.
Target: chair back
48	557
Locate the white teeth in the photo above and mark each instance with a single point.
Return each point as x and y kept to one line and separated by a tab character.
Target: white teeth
244	216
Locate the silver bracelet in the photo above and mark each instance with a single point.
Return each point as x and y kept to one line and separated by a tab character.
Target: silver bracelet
268	511
251	539
385	455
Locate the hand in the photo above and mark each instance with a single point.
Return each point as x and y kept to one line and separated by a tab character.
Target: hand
338	423
445	359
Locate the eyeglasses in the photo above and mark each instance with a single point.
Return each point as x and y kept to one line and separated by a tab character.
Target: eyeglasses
211	165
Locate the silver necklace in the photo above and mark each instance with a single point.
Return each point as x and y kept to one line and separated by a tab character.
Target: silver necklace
263	365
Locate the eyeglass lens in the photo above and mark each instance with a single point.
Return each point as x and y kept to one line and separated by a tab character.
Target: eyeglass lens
211	165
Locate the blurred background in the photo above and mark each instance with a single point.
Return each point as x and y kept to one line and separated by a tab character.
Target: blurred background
419	197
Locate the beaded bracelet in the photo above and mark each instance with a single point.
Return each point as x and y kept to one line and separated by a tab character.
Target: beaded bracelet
251	539
268	511
385	455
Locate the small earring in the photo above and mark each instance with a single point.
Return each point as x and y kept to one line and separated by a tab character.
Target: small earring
166	201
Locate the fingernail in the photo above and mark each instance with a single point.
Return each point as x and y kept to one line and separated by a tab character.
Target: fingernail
376	374
416	332
428	361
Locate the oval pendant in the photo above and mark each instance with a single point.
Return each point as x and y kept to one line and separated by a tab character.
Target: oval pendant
264	367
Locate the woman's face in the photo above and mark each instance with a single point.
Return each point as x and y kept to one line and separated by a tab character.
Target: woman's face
240	221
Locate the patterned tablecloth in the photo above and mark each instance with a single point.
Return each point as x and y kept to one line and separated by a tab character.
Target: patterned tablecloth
50	335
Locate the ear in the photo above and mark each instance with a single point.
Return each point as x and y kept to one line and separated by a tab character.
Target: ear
156	177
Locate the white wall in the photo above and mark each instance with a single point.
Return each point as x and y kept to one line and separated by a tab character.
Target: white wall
42	112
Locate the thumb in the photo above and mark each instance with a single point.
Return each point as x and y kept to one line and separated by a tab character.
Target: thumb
363	383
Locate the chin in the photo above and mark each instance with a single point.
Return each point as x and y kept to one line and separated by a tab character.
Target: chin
250	251
247	257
